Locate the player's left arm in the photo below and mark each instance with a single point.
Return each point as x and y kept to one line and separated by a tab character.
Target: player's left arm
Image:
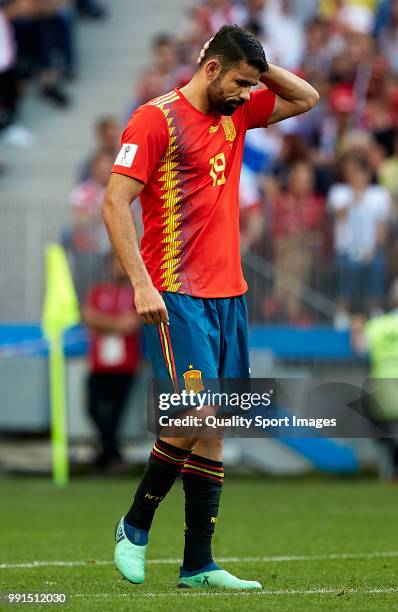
293	95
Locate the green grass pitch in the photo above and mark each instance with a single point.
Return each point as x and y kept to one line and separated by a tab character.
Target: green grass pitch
314	543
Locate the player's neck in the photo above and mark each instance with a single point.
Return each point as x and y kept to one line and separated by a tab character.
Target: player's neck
197	96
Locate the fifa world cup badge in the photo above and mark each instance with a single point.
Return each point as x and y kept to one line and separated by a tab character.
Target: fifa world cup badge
193	380
126	150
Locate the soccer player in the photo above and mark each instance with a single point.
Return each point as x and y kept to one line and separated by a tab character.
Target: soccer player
182	153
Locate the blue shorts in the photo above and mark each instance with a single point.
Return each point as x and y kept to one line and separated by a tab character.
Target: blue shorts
204	335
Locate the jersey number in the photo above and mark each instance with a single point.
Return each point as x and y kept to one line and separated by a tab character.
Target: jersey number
217	169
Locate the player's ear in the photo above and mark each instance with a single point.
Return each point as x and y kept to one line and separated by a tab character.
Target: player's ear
212	69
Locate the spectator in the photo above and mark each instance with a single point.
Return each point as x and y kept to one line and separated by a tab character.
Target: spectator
160	76
9	77
389	37
382	16
388	172
212	14
250	15
251	217
107	141
343	102
292	150
305	10
353	16
280	25
380	120
388	177
360	212
90	242
296	238
316	57
63	23
113	360
49	29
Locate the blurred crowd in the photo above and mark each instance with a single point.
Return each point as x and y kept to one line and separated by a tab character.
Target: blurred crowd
319	193
37	43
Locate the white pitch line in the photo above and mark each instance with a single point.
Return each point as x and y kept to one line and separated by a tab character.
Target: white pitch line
275	559
254	592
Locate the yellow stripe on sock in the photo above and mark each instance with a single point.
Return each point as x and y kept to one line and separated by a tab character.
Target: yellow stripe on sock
157	449
195	467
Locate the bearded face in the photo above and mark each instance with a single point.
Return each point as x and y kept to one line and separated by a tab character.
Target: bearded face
220	102
231	89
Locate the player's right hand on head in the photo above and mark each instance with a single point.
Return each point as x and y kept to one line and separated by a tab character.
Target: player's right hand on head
150	306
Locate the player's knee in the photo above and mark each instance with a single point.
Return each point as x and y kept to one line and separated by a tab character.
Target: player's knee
184	443
189	443
209	447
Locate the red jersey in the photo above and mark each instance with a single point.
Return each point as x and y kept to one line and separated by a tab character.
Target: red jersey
113	352
190	163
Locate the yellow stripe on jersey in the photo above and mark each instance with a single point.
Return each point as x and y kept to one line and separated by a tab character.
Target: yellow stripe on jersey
170	97
171	197
164	96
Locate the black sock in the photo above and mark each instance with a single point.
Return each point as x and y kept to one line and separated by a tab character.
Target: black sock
164	465
202	479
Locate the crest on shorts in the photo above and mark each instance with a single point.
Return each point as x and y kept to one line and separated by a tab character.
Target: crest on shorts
229	128
193	380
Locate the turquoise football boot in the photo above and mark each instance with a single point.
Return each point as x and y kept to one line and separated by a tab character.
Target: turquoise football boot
214	578
129	557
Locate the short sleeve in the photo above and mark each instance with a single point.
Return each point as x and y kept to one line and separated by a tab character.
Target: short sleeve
143	143
259	108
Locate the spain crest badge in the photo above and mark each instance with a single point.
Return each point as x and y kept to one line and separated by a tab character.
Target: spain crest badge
229	128
193	380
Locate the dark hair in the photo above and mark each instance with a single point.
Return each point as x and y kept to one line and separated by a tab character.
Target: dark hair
232	44
162	40
295	148
104	121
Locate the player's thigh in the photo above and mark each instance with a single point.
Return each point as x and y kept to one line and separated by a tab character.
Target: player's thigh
188	344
